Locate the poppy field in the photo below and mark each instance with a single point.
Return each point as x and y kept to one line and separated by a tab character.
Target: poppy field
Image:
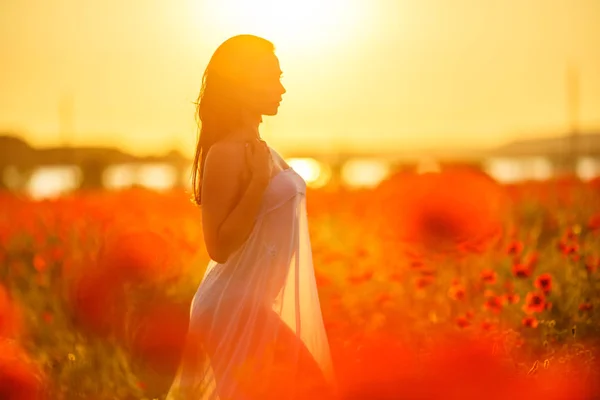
432	286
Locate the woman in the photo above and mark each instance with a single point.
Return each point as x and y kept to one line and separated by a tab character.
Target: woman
256	329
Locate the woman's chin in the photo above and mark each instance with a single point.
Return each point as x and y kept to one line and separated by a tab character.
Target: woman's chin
271	111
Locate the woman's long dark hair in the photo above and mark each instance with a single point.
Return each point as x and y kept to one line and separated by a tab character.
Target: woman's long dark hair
219	109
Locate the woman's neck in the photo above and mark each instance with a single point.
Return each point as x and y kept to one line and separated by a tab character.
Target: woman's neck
249	129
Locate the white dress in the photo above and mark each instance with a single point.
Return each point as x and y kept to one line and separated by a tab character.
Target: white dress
265	294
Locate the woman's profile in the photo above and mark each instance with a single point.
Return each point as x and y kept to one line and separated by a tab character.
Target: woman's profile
256	329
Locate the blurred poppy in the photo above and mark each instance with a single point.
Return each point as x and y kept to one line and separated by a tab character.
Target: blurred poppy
98	300
489	276
452	369
573	248
544	283
362	277
572	233
442	212
156	333
521	270
493	303
457	292
535	302
10	316
488	325
383	299
515	248
562	245
39	263
510	298
424	281
594	222
20	377
138	255
462	321
530	321
569	249
427	272
592	263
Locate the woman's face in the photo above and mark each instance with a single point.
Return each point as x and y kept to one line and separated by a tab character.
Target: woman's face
263	91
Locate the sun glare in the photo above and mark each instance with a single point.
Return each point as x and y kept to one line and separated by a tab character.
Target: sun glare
289	24
314	173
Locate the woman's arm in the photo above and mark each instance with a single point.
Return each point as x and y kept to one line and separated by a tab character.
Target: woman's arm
230	204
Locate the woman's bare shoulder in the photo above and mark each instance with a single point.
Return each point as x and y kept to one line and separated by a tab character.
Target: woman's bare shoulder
226	153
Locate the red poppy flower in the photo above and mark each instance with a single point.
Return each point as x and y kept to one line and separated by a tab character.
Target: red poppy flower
440	213
515	248
535	302
97	300
493	304
521	270
587	306
592	263
427	272
562	246
416	264
20	377
572	249
39	263
57	254
10	316
457	292
424	281
158	348
530	321
594	222
489	276
462	321
569	248
383	298
137	255
571	233
451	369
362	277
544	283
510	298
487	325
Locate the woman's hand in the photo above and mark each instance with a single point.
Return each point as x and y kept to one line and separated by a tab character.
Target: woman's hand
258	157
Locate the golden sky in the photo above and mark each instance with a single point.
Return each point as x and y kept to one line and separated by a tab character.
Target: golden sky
372	74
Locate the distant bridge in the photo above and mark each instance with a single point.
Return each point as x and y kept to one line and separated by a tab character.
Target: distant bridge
46	171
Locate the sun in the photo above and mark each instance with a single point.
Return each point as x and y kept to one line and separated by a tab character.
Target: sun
296	25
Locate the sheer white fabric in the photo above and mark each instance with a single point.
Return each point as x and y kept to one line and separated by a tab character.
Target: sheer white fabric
256	328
